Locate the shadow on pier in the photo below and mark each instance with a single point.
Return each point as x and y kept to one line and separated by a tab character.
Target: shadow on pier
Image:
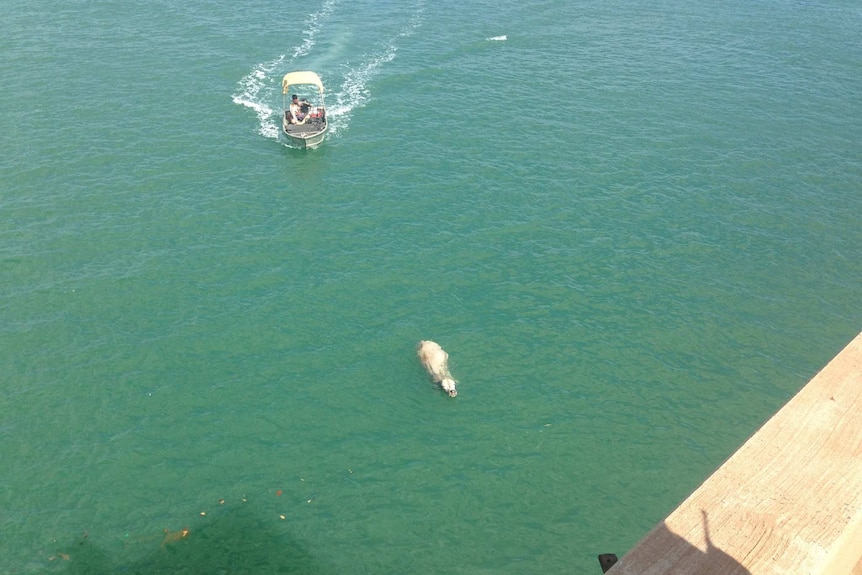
666	553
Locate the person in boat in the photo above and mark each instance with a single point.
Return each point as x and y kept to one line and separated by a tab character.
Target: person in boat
298	112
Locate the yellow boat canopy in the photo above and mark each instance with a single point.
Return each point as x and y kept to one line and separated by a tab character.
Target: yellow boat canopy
300	78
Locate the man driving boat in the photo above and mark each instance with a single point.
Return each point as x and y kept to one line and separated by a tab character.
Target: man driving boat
298	112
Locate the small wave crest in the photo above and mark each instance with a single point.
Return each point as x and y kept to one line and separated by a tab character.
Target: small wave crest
502	38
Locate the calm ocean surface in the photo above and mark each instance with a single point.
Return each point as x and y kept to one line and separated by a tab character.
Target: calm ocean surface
634	226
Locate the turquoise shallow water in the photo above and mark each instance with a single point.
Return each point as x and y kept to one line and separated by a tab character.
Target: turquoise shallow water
635	229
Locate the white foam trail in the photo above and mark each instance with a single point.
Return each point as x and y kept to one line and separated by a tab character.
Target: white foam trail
257	87
250	96
312	27
502	38
354	91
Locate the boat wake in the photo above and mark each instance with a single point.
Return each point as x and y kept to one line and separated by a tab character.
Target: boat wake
354	92
249	96
259	88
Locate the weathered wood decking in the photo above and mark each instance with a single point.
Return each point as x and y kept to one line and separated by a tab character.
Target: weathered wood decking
789	501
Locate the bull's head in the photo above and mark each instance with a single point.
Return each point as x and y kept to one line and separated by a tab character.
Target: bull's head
448	385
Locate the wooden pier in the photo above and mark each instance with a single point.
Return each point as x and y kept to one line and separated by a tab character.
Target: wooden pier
788	502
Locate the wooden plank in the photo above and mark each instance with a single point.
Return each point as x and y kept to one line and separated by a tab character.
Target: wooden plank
789	501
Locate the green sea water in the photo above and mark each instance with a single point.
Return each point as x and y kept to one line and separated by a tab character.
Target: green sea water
635	228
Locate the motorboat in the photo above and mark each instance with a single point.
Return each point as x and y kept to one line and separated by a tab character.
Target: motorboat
304	120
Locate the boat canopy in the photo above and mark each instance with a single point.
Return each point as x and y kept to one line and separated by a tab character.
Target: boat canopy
300	78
